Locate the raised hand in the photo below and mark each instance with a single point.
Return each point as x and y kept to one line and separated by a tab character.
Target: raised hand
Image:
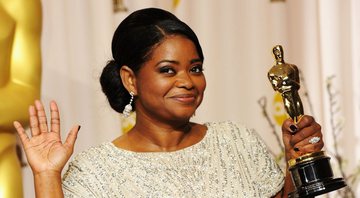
303	137
44	150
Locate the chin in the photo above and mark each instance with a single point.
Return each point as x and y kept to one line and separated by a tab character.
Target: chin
181	112
184	115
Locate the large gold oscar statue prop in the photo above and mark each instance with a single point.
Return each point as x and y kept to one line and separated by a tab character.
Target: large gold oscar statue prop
311	173
20	71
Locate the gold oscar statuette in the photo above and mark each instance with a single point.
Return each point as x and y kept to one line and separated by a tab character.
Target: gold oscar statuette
311	173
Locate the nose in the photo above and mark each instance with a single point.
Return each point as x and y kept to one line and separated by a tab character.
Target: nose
184	81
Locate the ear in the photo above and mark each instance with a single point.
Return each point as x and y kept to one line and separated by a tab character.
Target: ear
128	79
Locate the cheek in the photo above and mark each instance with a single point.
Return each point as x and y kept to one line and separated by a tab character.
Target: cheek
201	84
154	87
201	88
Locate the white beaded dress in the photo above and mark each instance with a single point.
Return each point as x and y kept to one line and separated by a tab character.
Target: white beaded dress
230	161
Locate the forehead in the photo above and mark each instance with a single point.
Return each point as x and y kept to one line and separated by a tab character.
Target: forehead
174	45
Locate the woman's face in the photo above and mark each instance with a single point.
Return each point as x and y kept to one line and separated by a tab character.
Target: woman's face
170	86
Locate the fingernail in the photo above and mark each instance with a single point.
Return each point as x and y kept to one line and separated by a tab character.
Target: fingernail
296	149
293	128
79	128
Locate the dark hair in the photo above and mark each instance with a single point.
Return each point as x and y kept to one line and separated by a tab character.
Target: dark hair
132	45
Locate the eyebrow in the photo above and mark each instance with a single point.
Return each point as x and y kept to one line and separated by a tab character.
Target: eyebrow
177	62
196	60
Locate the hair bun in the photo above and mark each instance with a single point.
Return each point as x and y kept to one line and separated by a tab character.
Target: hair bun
112	86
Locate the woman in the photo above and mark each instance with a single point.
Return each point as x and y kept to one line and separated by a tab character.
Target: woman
157	70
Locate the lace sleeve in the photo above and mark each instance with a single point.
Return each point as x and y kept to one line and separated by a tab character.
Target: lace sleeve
268	177
77	182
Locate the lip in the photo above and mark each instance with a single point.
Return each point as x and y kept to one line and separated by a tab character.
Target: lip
184	98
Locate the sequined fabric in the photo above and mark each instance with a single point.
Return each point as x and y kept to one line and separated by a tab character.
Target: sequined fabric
230	161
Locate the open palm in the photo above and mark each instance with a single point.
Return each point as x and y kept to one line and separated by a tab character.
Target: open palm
45	150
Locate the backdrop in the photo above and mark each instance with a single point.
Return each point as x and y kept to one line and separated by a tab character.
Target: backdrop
320	36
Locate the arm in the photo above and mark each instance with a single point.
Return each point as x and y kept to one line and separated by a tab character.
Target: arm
48	184
45	152
288	186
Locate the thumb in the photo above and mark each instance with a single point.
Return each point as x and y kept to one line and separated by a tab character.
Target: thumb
72	136
286	140
287	133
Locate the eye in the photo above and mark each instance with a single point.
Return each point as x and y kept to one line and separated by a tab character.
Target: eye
167	70
197	69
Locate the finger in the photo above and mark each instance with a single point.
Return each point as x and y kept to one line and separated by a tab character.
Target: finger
71	138
294	154
289	126
55	117
287	139
41	116
306	141
305	121
309	148
287	132
305	133
34	122
22	134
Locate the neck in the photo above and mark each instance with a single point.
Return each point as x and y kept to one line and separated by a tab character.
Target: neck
160	136
280	61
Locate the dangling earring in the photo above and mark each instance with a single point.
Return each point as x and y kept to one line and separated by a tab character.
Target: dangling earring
128	107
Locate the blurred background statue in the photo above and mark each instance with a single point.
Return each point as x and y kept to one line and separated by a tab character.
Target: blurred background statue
20	78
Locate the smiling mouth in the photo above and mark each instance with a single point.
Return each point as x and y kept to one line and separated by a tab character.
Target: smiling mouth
185	98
